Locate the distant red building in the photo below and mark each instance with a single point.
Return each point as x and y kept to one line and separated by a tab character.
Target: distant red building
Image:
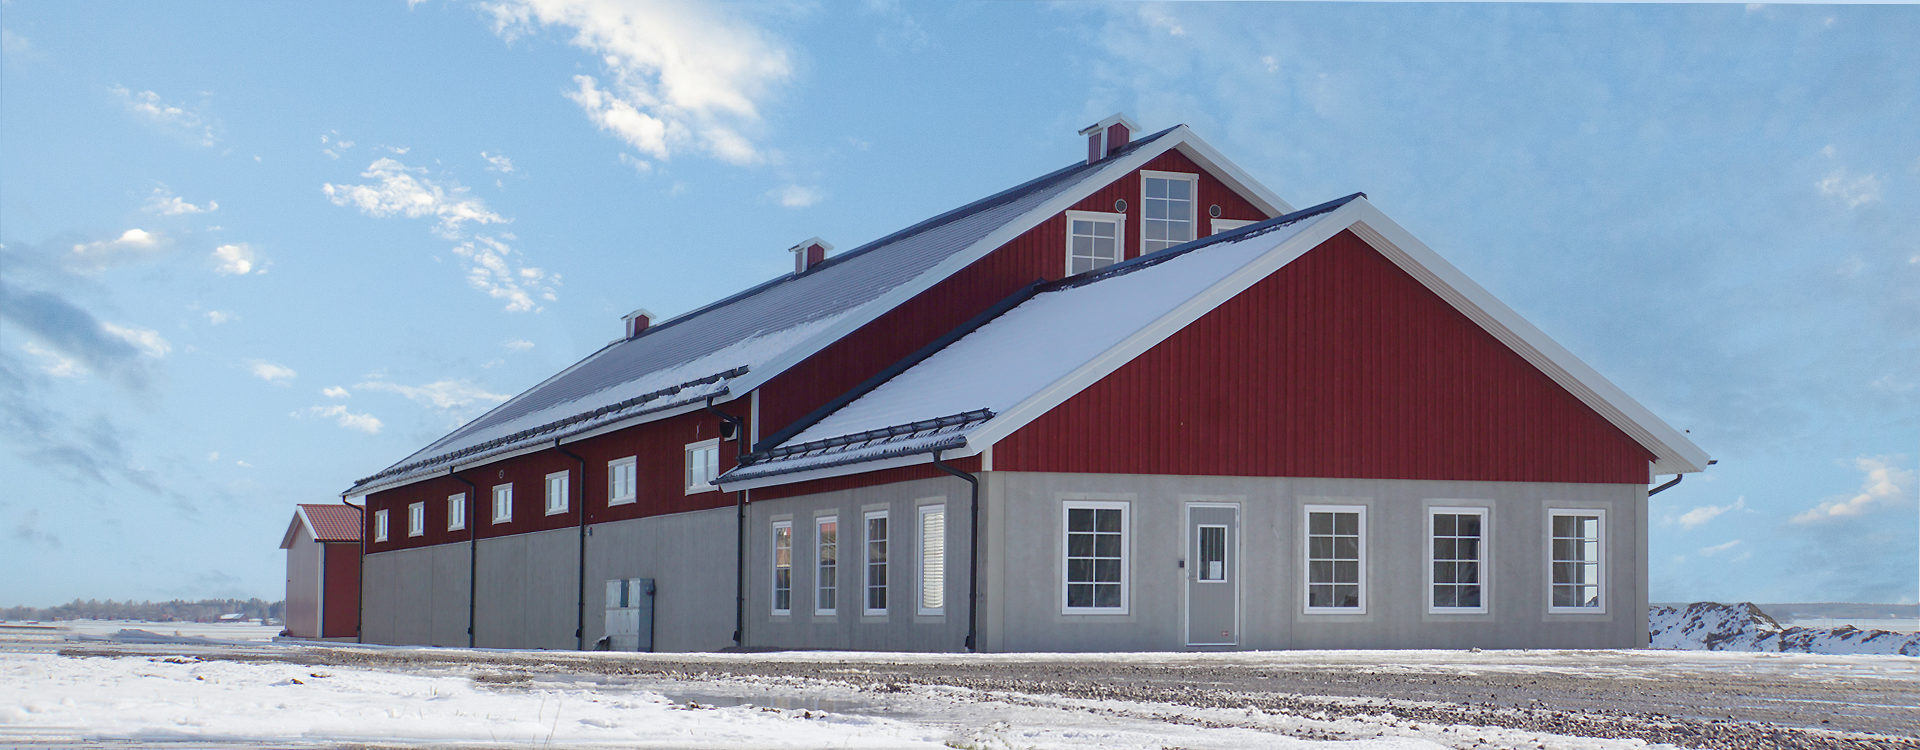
323	571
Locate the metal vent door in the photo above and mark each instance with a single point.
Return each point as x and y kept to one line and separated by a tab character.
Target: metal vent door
630	614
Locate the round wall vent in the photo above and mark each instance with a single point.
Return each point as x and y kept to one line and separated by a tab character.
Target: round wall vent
1120	206
1214	210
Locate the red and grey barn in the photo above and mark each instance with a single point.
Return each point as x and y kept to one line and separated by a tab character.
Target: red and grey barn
1139	402
323	571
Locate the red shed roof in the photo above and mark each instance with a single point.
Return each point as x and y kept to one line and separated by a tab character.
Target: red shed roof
326	523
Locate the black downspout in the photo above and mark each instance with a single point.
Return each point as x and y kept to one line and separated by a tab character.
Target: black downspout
360	605
1665	487
740	530
579	495
473	549
973	547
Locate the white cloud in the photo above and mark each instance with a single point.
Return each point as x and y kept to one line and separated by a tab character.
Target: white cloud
366	423
446	394
237	259
165	203
54	363
331	144
133	244
490	269
795	196
1885	483
678	74
150	107
217	317
334	391
399	190
1855	190
1719	548
1706	513
214	456
16	49
498	163
518	345
271	372
245	465
147	341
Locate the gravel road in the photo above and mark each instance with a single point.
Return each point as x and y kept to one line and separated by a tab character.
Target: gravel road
1687	699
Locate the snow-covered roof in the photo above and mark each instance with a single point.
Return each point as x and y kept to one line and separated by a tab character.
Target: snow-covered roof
1067	335
732	346
325	523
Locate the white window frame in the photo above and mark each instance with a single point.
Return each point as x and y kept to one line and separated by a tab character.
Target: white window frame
559	487
920	562
1306	558
1228	225
1119	222
1600	547
503	503
632	466
713	466
773	582
457	511
1484	559
820	589
1193	212
867	563
380	525
417	519
1126	555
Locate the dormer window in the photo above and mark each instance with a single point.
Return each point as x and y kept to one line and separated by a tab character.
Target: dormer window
1166	209
1094	239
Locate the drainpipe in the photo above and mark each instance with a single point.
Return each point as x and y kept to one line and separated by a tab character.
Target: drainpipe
740	529
473	549
579	495
973	547
1676	480
360	605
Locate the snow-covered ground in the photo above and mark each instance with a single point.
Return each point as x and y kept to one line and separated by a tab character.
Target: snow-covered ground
1744	627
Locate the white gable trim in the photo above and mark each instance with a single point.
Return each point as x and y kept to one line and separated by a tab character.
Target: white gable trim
1180	137
300	521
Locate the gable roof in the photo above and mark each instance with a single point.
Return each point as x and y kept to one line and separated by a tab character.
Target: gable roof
325	523
1068	335
734	345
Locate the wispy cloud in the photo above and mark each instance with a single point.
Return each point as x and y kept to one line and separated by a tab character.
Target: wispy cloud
399	190
518	345
677	74
1855	190
217	317
237	259
26	530
270	372
447	394
332	144
165	203
498	163
132	245
146	340
350	420
1719	548
149	107
795	196
54	363
1885	483
105	349
1705	513
490	268
334	391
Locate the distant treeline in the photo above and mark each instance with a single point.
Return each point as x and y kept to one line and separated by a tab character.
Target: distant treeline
178	610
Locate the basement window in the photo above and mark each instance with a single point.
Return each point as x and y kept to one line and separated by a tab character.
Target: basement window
1336	559
417	519
502	503
1094	240
826	591
380	525
783	567
703	465
1456	577
556	493
1096	557
1166	209
1575	557
457	512
620	481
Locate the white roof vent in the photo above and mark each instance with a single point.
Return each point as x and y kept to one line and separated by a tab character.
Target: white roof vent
809	253
1108	135
637	321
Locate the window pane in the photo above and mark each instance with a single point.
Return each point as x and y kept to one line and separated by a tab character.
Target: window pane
1319	596
1080	519
1179	189
1155	230
1080	545
1443	549
1469	596
1107	545
1109	521
1346	523
1080	595
1468	549
1156	187
1320	547
1469	525
1443	524
1346	572
1320	572
1320	523
1106	571
1565	526
1107	595
1443	572
1467	572
1346	595
1443	596
1346	547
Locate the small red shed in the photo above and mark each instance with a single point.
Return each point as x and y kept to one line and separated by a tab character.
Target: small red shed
323	571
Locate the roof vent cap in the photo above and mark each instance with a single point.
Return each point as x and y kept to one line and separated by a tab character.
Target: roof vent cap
637	321
1108	135
809	253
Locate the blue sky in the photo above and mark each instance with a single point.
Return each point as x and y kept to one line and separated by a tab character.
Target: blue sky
255	251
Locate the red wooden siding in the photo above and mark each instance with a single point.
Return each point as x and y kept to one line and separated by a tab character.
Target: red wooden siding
659	449
1339	365
867	479
342	576
1040	253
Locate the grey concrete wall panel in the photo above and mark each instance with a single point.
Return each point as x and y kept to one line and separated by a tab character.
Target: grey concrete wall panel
901	627
690	556
528	590
415	597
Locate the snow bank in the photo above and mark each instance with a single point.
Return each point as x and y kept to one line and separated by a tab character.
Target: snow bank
1712	626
